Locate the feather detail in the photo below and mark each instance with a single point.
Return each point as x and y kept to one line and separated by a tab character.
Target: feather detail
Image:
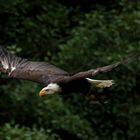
100	83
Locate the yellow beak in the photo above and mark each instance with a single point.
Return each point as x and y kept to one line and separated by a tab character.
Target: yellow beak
42	93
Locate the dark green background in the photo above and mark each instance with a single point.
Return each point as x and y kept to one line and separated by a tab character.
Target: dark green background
75	35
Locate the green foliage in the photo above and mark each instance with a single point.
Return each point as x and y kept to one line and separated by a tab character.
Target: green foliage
109	37
36	25
10	132
99	35
28	109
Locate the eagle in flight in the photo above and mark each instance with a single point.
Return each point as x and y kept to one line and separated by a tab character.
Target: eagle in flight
55	79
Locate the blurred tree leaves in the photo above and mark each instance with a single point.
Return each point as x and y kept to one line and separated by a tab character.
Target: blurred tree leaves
9	132
78	35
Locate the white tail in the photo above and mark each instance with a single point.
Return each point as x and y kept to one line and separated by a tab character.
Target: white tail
100	83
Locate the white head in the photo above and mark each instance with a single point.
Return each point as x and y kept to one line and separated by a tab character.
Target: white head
50	89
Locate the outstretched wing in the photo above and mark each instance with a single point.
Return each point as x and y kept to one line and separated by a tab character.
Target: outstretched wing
93	72
20	68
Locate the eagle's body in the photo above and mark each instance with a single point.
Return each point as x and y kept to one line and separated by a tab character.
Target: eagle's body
55	79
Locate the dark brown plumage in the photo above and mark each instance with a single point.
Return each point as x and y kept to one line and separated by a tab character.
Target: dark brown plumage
46	73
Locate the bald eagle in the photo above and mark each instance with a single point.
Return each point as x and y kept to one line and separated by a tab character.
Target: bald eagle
55	79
